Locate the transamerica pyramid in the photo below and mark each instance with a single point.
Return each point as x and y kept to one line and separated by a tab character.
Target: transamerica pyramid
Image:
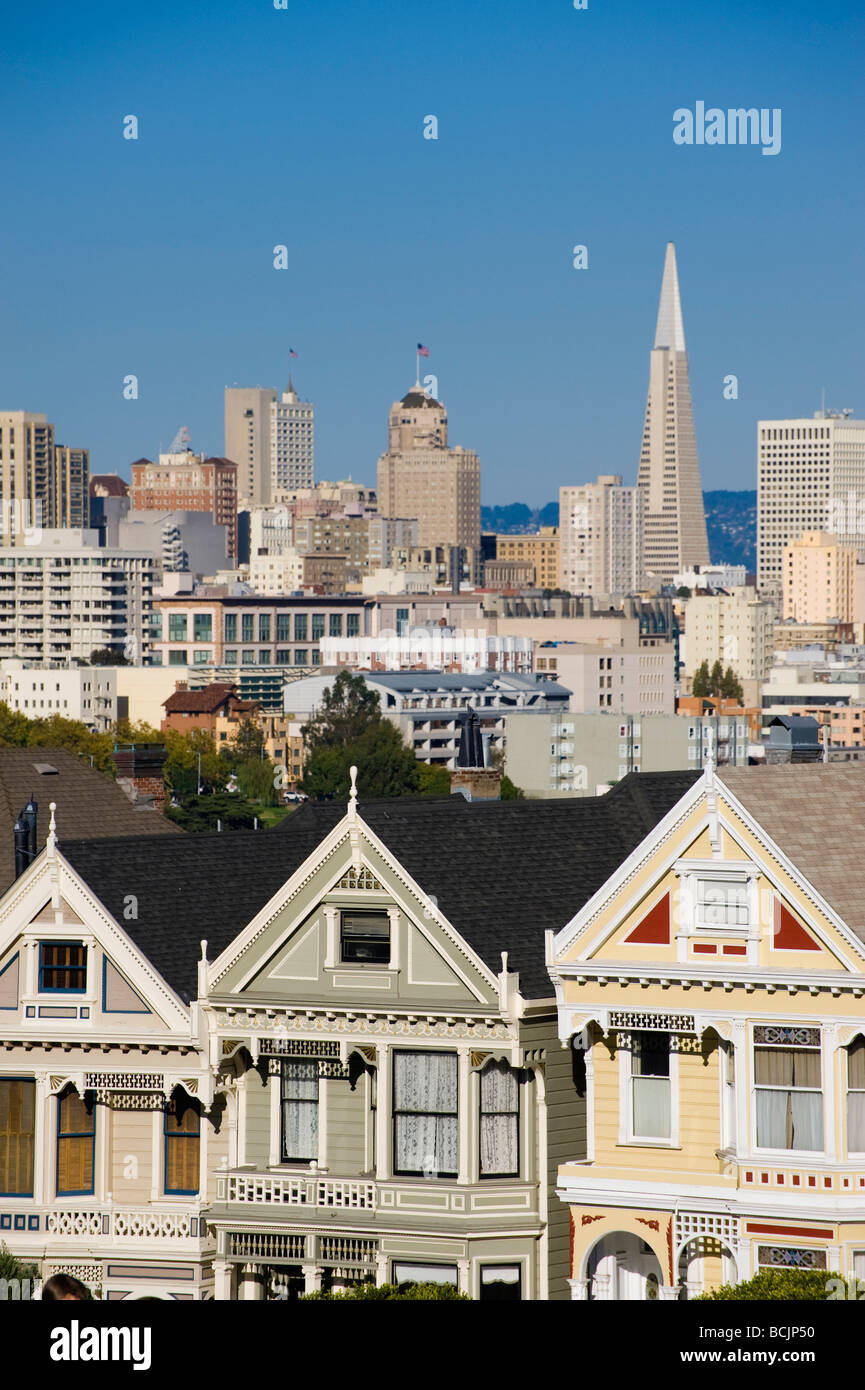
674	522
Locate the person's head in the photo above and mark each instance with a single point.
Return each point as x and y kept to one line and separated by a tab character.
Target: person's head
63	1287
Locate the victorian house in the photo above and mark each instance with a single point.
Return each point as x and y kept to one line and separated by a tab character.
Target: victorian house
248	1065
713	990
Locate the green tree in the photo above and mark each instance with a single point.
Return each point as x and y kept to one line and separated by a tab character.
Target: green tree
257	781
14	728
716	679
124	731
433	780
249	740
400	1293
108	656
683	591
11	1267
57	732
700	684
789	1285
510	792
181	766
385	766
207	813
348	708
731	688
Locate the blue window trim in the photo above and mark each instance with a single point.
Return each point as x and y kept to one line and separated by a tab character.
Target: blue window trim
54	989
75	1134
32	1080
180	1137
105	1009
8	966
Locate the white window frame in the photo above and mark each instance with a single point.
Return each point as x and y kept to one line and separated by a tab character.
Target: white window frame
822	1092
626	1105
851	1153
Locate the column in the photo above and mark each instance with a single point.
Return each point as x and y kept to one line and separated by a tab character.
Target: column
250	1284
463	1276
311	1278
579	1289
222	1281
381	1263
464	1174
382	1113
668	1293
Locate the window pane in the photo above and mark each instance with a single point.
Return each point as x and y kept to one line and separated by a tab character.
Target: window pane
425	1120
650	1054
856	1122
806	1113
424	1274
17	1134
773	1066
300	1111
856	1065
772	1113
651	1107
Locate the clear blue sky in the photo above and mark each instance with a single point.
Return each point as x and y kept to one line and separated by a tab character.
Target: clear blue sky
304	126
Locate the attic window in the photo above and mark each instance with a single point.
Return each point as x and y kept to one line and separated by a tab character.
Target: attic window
721	903
365	938
46	769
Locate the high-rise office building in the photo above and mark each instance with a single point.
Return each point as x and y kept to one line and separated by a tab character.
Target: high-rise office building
669	473
292	442
42	483
601	537
420	476
810	477
247	440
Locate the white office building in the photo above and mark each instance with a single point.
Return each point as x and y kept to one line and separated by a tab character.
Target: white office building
810	477
292	442
85	693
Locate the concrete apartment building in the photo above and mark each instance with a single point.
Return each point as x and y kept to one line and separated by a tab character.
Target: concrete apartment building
42	484
736	629
420	476
630	677
276	574
189	482
85	693
819	579
674	522
252	630
567	754
70	596
810	477
601	537
541	552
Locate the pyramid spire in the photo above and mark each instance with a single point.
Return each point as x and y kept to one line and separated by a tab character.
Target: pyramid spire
670	331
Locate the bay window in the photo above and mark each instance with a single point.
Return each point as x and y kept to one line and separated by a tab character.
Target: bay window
856	1096
299	1111
76	1137
425	1107
789	1099
499	1122
651	1110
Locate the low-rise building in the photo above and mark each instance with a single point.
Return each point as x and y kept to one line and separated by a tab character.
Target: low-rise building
253	630
540	552
85	693
636	676
215	708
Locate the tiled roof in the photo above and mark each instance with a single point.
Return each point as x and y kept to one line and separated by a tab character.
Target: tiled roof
89	804
502	872
815	813
205	701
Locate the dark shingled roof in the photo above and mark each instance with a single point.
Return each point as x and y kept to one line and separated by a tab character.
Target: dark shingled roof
502	872
208	700
89	804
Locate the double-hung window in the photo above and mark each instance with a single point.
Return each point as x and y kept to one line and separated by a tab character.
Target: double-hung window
229	630
76	1137
651	1109
425	1108
856	1096
499	1121
182	1129
365	937
299	1111
789	1099
177	627
62	967
283	627
247	627
721	903
17	1136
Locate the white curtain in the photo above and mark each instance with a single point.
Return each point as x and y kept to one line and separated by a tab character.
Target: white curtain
856	1122
300	1110
425	1113
772	1119
651	1107
790	1120
806	1108
500	1126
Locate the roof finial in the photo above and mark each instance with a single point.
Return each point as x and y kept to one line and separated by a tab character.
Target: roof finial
51	841
352	796
711	752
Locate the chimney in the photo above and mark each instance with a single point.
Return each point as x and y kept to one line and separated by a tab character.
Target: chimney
24	837
473	777
139	773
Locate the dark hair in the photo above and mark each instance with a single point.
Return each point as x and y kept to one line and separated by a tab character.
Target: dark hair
62	1286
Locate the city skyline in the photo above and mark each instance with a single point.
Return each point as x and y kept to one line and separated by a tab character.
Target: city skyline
163	263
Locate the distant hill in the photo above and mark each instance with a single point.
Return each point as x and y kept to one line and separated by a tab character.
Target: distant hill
731	521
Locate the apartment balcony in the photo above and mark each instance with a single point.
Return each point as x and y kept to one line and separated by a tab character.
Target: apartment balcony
151	1231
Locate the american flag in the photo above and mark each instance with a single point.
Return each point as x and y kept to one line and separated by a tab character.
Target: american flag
422	351
291	352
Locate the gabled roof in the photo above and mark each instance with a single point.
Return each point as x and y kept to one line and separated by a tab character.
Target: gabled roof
502	872
89	804
206	701
815	813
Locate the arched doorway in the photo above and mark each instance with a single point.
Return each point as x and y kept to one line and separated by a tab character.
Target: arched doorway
704	1263
622	1267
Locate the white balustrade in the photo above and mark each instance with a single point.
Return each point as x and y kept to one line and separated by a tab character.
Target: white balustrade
296	1191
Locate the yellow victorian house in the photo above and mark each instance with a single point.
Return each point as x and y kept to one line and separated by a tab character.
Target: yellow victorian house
712	990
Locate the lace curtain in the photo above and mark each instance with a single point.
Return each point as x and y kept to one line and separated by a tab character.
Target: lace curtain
425	1087
300	1111
500	1128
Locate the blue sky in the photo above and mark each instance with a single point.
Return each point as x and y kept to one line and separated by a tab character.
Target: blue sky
304	127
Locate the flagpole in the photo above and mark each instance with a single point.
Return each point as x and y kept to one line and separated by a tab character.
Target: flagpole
417	368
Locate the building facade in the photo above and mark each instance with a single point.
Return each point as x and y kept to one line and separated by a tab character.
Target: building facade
674	524
43	484
601	537
189	482
819	583
252	630
247	441
85	693
810	477
541	552
292	442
